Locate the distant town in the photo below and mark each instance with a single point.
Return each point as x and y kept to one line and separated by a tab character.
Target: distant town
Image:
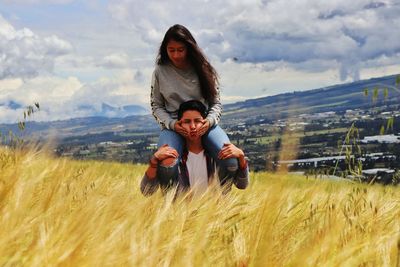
311	143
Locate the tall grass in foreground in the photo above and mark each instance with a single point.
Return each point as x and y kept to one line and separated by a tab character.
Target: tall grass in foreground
59	212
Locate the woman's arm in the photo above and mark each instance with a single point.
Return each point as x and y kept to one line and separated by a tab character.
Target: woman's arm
214	115
157	103
215	110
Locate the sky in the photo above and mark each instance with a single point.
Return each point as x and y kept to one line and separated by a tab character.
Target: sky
72	56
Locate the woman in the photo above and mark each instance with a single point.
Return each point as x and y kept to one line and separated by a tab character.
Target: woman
183	73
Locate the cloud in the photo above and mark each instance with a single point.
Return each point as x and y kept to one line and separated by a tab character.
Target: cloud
347	34
116	60
247	80
139	77
64	98
51	92
33	2
23	54
123	89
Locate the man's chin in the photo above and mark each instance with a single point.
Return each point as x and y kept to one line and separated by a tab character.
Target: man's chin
193	137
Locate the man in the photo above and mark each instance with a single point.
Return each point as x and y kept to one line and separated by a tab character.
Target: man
196	169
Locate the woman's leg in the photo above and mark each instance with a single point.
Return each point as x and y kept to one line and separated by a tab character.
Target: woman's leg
173	139
213	141
167	171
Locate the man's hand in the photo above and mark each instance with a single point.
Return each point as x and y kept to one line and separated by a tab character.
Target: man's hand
165	152
204	128
180	130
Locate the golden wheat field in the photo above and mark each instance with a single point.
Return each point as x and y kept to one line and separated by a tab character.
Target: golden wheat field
59	212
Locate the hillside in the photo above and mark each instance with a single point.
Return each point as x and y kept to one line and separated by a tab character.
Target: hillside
336	98
59	212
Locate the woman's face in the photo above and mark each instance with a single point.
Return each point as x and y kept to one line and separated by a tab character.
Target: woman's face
177	52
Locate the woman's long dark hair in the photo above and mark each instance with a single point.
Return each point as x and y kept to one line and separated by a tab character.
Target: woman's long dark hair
208	77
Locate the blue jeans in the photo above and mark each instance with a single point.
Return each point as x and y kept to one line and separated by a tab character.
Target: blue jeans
213	141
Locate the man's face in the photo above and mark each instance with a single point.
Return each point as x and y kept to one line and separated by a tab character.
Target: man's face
192	121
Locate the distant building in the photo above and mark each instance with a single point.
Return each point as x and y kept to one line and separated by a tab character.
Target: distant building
84	152
307	162
151	146
387	138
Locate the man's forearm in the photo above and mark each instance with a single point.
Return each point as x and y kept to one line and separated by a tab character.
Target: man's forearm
151	171
242	162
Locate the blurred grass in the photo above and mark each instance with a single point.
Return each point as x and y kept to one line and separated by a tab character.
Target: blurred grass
60	212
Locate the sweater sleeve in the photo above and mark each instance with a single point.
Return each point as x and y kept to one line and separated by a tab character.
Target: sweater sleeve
157	103
149	186
215	110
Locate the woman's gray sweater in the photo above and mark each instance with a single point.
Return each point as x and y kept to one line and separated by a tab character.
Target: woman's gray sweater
172	86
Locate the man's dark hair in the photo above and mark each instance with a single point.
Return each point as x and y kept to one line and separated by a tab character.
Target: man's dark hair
192	105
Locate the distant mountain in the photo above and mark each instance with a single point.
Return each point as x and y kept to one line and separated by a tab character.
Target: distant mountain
113	112
107	110
336	98
82	126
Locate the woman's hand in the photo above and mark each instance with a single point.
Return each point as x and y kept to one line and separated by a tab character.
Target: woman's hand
165	152
232	151
180	130
204	128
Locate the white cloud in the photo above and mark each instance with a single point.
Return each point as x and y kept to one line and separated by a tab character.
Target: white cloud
246	80
123	89
49	91
9	85
8	115
116	60
345	33
32	2
64	98
23	54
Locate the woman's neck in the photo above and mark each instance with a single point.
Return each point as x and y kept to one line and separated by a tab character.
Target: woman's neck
183	66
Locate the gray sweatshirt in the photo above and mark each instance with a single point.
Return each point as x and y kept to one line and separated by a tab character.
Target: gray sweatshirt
170	87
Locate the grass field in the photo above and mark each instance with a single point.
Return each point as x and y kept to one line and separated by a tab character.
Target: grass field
59	212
